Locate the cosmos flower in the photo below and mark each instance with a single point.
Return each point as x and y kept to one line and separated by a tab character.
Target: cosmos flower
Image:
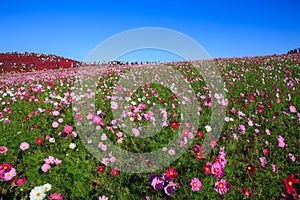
68	129
103	198
3	149
171	173
217	170
37	193
222	186
251	168
10	174
20	181
281	142
169	190
24	146
289	182
56	196
157	183
196	184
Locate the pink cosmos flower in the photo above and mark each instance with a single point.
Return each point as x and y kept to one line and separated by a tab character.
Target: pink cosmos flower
68	129
221	186
275	168
281	142
114	105
56	196
57	161
45	167
103	198
172	152
292	157
135	132
55	113
102	146
24	146
55	124
263	161
293	109
97	120
242	129
196	184
49	160
10	175
3	149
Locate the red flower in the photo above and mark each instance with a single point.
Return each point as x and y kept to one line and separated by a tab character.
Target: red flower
200	134
268	106
252	98
261	109
26	118
101	168
246	191
251	168
289	182
207	169
171	173
38	141
6	167
115	172
175	124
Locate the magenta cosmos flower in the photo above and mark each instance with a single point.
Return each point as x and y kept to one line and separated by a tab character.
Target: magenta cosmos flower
56	196
196	184
217	170
20	181
3	149
221	186
68	129
24	146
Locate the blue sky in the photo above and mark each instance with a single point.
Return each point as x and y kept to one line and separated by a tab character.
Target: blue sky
224	28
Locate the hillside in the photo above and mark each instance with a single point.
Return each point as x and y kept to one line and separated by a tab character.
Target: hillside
24	62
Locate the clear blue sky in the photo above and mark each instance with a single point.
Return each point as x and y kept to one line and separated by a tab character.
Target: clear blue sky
224	28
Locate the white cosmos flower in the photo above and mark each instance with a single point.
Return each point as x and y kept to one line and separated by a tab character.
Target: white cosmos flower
72	145
47	187
208	128
37	193
52	140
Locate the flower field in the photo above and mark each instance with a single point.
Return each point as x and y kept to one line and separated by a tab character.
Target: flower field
49	144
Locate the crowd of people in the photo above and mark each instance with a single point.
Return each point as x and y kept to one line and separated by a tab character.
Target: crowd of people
294	51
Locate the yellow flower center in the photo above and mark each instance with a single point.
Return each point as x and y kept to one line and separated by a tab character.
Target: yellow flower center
221	185
290	183
5	167
8	175
249	168
38	194
194	184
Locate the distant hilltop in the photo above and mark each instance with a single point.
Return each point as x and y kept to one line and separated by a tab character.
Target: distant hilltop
27	61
